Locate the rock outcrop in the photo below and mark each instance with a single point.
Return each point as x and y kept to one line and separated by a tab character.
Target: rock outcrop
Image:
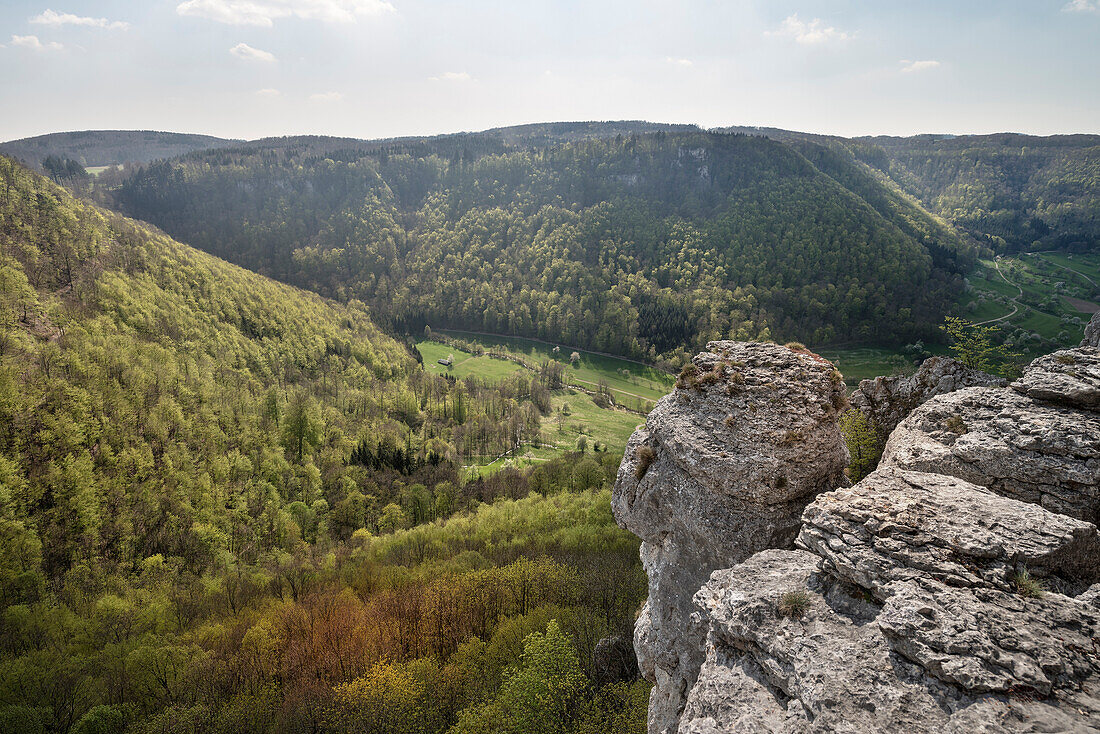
955	589
1092	332
1045	450
722	469
887	401
1069	377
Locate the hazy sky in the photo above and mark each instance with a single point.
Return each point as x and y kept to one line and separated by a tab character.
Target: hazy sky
376	68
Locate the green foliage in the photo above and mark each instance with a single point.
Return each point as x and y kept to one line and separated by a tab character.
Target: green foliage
1012	192
977	346
227	505
621	708
1027	585
541	696
794	604
642	247
864	441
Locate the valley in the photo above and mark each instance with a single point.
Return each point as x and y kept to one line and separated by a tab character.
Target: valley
375	453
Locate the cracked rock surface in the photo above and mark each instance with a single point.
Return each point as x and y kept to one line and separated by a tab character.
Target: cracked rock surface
887	401
954	589
722	469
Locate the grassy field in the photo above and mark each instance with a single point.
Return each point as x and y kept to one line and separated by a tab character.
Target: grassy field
574	413
1041	301
95	170
465	364
865	362
631	383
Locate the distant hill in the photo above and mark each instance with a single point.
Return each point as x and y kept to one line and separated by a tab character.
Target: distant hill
1008	191
109	147
1012	192
596	234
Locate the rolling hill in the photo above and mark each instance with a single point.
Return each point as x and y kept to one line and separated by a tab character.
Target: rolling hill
93	148
637	244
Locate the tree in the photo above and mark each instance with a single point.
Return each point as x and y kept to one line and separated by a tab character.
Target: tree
975	346
864	441
542	696
301	428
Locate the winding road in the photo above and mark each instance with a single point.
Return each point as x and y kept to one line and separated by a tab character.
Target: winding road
1015	303
1063	267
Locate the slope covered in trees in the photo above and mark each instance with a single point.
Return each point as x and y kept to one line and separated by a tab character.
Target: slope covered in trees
230	505
1011	192
108	147
641	245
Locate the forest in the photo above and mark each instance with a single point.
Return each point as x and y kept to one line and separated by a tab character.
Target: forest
1013	193
229	505
643	245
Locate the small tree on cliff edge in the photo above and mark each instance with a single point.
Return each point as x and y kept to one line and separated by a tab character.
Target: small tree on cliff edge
974	346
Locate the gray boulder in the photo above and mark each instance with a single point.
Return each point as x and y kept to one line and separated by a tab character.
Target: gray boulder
907	620
899	526
1018	447
1092	332
723	468
1069	377
887	401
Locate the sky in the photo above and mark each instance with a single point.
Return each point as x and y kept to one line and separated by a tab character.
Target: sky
386	68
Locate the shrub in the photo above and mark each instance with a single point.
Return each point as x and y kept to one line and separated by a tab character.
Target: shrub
1027	585
955	424
794	604
645	455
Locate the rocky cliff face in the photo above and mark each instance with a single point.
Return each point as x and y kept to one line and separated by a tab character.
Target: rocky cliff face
722	469
1092	332
957	588
887	401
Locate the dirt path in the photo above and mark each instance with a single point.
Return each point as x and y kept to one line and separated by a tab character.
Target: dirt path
1075	272
617	389
1015	303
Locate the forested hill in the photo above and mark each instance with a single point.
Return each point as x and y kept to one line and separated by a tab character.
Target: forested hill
636	244
142	384
1012	192
108	147
228	505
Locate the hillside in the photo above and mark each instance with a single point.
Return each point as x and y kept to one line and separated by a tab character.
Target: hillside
93	148
230	505
1012	192
641	245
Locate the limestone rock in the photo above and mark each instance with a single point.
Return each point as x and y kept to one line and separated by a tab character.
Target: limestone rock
723	468
838	667
1032	451
888	400
983	640
1069	377
1092	332
896	526
954	589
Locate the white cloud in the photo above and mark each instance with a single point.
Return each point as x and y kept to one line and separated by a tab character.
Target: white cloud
52	17
1082	6
911	66
326	97
32	42
268	93
809	33
451	76
246	52
678	62
266	12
